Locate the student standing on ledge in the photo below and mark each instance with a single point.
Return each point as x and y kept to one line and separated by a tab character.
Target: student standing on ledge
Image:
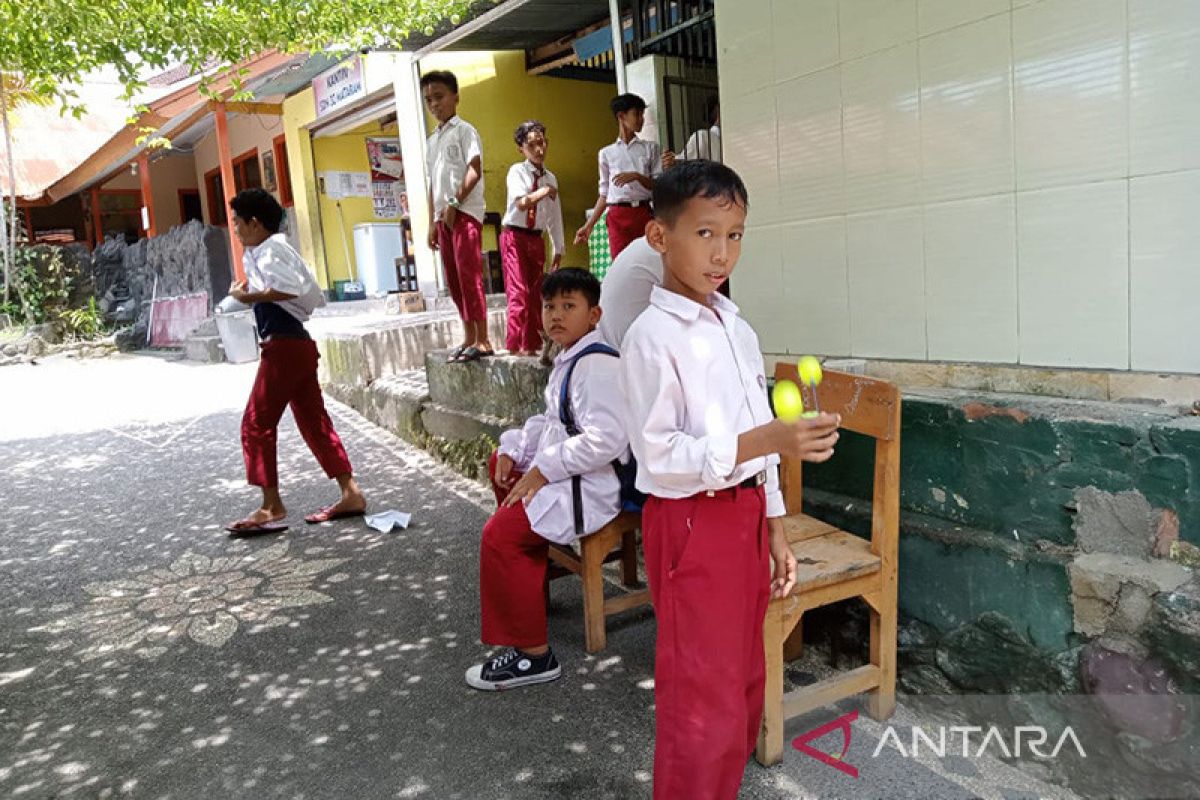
707	450
455	162
283	292
628	168
533	207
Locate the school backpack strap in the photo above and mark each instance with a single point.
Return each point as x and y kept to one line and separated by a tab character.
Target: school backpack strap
567	417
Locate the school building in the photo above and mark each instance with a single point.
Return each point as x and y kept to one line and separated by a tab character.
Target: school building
990	202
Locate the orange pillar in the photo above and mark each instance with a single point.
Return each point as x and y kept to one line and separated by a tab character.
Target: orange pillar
97	230
143	163
227	184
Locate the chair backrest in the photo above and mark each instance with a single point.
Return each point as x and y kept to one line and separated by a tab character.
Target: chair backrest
869	406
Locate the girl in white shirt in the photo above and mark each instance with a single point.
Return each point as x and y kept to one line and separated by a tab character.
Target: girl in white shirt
533	209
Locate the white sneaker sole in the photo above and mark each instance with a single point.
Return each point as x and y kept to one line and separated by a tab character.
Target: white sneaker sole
476	682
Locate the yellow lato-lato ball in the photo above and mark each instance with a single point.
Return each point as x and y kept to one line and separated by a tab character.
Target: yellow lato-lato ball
788	403
810	370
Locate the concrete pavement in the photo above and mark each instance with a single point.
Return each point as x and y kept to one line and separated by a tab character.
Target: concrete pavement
143	653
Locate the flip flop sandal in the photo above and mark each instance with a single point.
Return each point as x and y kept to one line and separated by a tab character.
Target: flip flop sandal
455	354
327	514
246	528
472	353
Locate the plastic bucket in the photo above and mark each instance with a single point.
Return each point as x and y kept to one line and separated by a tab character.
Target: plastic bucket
239	336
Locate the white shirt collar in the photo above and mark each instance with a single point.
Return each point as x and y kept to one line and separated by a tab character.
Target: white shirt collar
534	170
591	337
684	308
253	251
447	124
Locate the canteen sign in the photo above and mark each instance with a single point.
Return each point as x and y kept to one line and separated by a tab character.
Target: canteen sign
339	86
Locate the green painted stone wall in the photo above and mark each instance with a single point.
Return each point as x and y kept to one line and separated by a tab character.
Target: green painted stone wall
1010	466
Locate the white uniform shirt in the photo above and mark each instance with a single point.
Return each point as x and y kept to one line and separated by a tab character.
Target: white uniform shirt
638	155
544	443
549	210
625	290
704	144
275	264
450	149
694	381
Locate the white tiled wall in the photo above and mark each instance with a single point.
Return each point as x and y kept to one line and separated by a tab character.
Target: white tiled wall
1012	181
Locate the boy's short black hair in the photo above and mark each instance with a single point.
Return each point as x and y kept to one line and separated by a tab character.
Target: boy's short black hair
525	128
696	178
442	76
626	102
258	204
572	279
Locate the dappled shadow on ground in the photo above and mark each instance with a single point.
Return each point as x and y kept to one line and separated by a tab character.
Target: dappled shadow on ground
147	654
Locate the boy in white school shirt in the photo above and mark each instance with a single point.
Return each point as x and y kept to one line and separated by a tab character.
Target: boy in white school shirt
454	158
707	449
532	475
533	208
283	293
628	168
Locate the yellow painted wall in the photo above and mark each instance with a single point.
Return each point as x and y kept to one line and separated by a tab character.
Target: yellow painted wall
345	153
496	95
321	227
298	111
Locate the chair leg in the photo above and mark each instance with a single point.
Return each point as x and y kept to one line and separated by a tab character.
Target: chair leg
594	635
629	569
770	738
881	702
793	646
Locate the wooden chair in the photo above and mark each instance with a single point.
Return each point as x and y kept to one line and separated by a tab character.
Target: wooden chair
834	565
616	540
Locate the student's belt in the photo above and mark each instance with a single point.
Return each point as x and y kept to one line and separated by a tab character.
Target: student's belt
753	482
631	204
519	229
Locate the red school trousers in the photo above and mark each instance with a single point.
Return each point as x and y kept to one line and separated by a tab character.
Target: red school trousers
462	259
287	375
708	563
512	575
626	223
524	256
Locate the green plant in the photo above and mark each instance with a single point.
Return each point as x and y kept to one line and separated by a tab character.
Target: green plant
83	323
43	284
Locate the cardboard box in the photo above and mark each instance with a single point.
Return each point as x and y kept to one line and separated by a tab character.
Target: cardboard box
404	302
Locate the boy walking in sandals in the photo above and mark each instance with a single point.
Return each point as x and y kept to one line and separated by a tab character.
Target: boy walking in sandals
283	294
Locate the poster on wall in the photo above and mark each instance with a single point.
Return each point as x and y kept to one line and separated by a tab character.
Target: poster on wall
387	175
337	184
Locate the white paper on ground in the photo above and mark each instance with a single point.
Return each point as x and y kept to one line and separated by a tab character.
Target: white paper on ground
387	520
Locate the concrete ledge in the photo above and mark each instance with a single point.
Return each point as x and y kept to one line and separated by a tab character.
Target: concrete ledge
452	424
360	357
1163	388
505	386
205	349
1013	465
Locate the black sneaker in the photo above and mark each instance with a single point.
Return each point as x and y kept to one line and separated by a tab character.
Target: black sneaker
513	668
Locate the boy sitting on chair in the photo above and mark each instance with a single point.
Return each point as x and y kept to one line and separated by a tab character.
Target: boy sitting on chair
554	482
